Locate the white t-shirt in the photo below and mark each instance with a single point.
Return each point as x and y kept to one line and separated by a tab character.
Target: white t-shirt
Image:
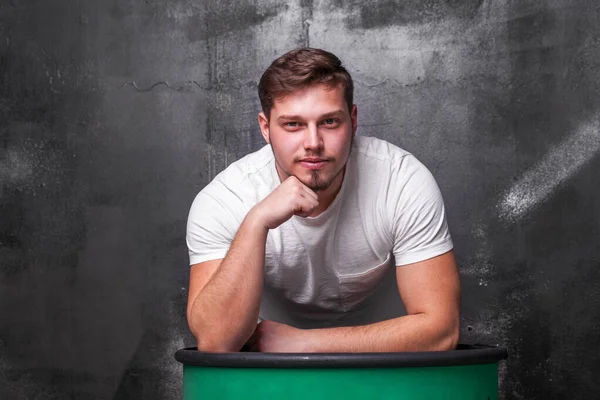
336	268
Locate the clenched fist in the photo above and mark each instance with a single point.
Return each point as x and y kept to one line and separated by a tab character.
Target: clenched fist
291	197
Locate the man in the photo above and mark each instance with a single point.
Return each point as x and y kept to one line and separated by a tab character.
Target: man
300	234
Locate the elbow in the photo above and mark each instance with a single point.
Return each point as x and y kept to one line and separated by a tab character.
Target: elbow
214	340
214	346
449	340
442	334
208	342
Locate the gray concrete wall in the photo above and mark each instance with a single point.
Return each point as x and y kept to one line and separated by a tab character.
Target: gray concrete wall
114	114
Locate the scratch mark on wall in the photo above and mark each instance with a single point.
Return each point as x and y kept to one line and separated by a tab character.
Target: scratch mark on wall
134	85
386	80
537	184
199	85
184	86
165	83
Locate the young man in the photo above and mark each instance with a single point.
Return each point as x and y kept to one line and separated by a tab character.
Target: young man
301	233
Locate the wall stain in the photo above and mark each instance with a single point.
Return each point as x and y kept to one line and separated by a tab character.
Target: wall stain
307	16
220	18
375	14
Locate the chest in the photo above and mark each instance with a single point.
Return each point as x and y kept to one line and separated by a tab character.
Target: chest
334	269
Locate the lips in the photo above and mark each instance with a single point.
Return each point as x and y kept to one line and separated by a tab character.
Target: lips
313	163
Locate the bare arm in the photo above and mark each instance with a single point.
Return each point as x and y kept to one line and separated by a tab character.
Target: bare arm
222	313
224	296
430	291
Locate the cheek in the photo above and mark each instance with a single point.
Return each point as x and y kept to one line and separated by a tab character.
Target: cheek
340	145
284	150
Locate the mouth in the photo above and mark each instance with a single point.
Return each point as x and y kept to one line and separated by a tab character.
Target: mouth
313	163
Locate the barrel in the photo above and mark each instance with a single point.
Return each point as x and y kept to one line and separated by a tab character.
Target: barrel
468	372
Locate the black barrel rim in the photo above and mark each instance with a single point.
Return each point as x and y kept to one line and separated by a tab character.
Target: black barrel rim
463	355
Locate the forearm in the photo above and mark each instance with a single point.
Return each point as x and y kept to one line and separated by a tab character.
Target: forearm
225	312
418	332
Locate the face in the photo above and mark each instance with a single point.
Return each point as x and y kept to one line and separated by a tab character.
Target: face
311	132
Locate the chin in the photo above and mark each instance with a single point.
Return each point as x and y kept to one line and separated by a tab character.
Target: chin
318	185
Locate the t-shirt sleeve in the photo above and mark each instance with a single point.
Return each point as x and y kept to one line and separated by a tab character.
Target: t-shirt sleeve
214	218
419	227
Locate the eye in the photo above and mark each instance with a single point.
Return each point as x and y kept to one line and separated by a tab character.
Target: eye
331	122
291	124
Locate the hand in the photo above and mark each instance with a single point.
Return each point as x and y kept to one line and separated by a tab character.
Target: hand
273	337
290	198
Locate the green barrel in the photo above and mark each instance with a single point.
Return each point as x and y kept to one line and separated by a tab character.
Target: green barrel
469	372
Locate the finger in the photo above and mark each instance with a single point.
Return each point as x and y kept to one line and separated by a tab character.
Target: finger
305	207
305	188
301	200
307	201
304	214
310	192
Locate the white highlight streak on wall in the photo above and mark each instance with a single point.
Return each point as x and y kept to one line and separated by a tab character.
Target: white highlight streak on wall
552	171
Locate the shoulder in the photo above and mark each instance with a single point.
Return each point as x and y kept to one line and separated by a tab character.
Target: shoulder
379	158
379	149
252	168
239	186
250	173
392	177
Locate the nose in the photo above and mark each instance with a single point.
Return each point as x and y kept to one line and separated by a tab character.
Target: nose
312	138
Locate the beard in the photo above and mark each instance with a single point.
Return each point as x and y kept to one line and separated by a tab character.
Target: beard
317	182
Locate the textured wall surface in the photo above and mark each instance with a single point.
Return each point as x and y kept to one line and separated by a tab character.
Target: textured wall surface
114	114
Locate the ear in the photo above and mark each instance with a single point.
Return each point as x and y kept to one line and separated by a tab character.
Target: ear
354	117
263	122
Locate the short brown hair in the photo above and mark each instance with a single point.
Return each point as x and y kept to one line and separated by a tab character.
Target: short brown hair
301	68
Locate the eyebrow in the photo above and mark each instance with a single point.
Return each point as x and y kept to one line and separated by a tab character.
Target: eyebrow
324	116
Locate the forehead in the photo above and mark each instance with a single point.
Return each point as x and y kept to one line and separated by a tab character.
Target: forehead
319	99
